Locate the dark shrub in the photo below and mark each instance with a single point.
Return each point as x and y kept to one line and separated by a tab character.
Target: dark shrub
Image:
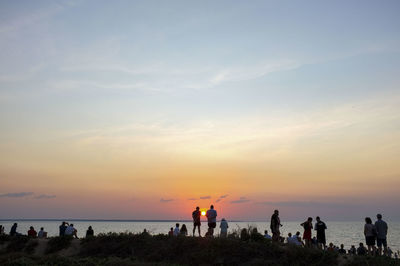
17	243
58	243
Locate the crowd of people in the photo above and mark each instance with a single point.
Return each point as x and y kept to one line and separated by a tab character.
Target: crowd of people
375	233
65	229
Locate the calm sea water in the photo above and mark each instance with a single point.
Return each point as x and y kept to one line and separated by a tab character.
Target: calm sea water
347	233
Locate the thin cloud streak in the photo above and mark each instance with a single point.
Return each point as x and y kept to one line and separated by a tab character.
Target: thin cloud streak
205	197
16	195
162	200
239	201
45	196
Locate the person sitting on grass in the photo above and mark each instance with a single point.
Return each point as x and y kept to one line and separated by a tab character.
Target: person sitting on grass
361	250
32	232
13	231
289	238
266	235
342	250
71	231
89	232
42	233
183	231
352	250
297	239
171	232
209	233
62	228
331	247
176	230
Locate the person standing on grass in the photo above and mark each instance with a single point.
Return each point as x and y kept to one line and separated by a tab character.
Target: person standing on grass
381	229
370	235
224	228
196	214
307	225
177	231
320	227
275	224
212	219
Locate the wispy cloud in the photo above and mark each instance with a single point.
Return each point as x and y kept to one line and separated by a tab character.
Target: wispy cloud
310	204
45	196
222	197
16	195
241	200
162	200
192	199
205	197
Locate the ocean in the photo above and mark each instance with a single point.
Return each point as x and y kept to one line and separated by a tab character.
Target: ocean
347	233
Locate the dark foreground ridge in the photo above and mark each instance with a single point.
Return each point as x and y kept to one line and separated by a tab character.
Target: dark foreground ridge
144	249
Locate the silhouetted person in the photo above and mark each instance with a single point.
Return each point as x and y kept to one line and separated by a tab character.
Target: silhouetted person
331	247
381	229
89	232
196	215
13	231
266	235
62	228
212	218
353	250
177	230
171	232
342	250
307	225
42	233
209	233
370	235
361	250
224	228
275	224
320	227
71	231
183	231
32	232
1	230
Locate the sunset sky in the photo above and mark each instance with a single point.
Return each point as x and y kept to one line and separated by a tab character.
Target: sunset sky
147	109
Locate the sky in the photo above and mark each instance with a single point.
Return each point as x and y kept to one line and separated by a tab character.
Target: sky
147	109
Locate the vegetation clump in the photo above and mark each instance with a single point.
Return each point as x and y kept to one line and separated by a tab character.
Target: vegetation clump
58	243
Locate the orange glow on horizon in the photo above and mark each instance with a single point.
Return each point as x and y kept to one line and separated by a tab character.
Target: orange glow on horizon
203	213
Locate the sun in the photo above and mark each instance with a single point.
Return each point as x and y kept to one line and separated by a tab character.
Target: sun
203	213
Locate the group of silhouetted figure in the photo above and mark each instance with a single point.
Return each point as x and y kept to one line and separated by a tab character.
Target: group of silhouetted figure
65	228
375	233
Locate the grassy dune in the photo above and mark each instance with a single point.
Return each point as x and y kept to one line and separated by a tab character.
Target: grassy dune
143	249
